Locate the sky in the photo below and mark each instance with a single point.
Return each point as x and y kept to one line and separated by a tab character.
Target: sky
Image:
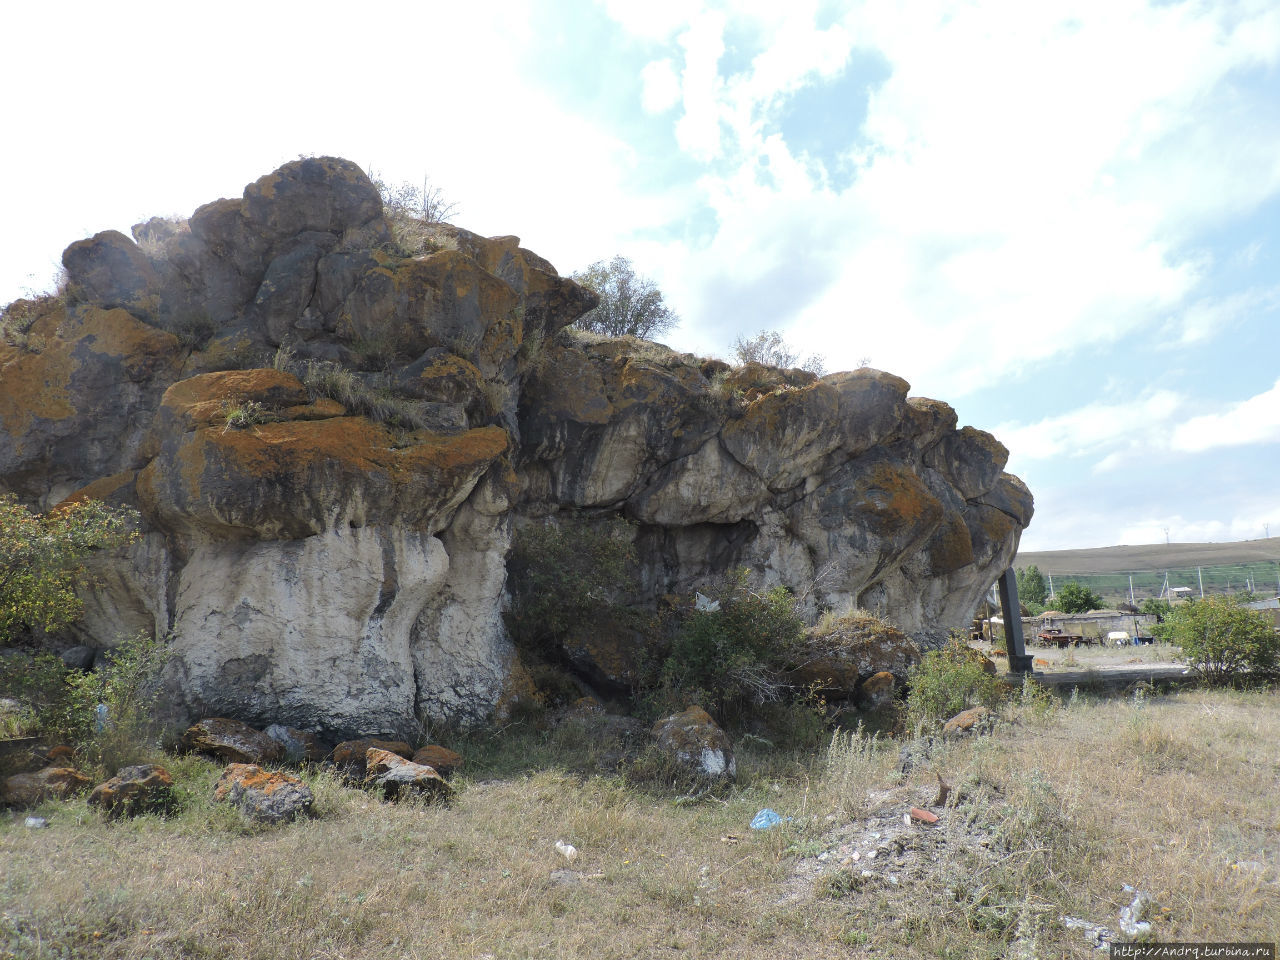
1062	219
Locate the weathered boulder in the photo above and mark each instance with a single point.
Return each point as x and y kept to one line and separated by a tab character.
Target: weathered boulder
351	756
696	743
144	788
231	740
399	778
29	789
972	720
839	654
299	745
325	527
443	760
876	692
263	796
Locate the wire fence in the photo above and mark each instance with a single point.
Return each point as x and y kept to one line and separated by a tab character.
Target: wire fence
1262	579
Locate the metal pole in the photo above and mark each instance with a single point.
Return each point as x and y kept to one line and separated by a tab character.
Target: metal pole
1019	660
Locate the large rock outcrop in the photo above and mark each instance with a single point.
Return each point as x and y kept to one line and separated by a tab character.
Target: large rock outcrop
329	437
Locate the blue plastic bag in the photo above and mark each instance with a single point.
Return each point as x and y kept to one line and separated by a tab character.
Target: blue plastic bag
765	819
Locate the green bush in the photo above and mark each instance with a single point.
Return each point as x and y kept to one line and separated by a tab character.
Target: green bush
1075	598
947	681
734	657
105	714
42	559
112	708
1222	638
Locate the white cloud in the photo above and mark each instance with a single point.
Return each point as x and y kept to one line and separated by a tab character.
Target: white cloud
660	86
1024	176
1107	432
698	129
1252	421
1210	317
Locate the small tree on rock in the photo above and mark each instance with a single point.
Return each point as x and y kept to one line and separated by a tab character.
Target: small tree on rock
768	348
630	305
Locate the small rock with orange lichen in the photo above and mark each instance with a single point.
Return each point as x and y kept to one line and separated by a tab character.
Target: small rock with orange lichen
696	743
876	692
145	788
29	789
231	740
401	778
973	720
350	755
441	759
262	796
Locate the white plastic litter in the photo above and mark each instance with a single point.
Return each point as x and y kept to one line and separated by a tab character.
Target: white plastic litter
567	850
1131	923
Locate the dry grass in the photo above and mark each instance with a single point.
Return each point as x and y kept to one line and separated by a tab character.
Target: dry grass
1170	795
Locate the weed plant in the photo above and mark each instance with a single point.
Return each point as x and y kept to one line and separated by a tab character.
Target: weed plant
947	681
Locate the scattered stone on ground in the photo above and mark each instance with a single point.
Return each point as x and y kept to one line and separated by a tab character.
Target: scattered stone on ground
443	760
973	720
299	745
350	756
262	796
29	789
568	878
232	741
913	753
697	744
144	788
401	778
876	692
35	823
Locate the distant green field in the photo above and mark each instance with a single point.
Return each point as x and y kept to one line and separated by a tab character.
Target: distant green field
1224	567
1224	578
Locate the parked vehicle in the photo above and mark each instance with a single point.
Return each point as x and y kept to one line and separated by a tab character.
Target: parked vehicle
1056	637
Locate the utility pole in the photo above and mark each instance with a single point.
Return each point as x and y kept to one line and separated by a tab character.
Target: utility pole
1051	586
1201	577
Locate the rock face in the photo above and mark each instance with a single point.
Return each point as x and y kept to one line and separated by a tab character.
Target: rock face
329	438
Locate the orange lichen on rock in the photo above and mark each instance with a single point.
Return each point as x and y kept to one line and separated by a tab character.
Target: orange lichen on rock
143	349
950	548
322	408
104	488
37	386
899	498
201	400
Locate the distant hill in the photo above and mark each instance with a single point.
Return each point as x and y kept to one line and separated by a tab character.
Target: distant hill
1113	571
1151	557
